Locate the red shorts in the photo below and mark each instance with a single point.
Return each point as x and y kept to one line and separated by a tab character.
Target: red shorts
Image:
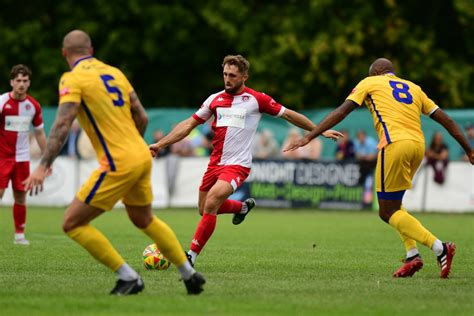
15	171
234	174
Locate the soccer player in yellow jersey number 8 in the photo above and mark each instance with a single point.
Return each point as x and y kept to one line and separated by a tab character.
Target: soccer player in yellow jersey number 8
113	117
396	105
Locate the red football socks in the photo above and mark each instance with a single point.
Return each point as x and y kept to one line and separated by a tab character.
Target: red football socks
203	232
230	206
19	217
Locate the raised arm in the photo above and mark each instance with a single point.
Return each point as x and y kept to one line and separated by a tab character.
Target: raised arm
138	113
179	132
329	121
447	122
305	123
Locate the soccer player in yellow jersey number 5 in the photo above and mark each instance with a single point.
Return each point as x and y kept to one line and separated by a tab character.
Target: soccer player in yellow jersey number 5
113	117
396	105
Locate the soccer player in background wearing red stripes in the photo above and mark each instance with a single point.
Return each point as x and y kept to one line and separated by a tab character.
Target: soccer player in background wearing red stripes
18	111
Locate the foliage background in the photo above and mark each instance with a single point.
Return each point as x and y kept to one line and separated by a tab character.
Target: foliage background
305	53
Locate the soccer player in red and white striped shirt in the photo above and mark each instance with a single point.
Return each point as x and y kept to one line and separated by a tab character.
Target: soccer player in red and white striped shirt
18	111
236	112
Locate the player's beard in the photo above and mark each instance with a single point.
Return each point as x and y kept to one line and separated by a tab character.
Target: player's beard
234	89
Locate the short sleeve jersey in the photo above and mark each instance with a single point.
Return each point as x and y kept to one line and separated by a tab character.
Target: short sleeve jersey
396	106
105	113
236	119
16	117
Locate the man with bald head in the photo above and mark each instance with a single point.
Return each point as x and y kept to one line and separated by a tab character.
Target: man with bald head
113	117
396	105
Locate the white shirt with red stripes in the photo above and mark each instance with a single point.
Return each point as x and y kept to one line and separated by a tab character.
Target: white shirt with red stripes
16	116
236	119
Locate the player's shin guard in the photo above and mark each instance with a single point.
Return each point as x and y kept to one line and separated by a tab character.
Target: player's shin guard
230	207
166	241
203	232
97	245
19	217
410	227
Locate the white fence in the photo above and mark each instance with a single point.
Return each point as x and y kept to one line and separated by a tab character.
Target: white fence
176	182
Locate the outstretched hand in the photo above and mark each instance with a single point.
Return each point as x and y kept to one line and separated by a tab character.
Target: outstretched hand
296	144
34	183
332	134
154	149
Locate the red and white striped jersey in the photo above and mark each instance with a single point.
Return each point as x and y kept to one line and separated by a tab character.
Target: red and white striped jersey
236	119
16	116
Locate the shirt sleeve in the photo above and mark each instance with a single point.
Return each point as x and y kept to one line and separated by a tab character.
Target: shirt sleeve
427	105
69	89
266	104
38	117
359	93
204	112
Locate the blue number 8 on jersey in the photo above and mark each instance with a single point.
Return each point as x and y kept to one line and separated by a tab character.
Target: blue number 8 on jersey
400	92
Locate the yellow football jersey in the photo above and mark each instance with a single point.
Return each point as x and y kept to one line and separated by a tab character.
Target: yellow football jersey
396	106
105	115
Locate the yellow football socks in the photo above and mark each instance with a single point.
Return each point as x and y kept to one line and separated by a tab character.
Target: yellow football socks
407	242
410	227
166	241
97	245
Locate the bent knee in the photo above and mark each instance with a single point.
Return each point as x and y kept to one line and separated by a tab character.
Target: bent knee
385	216
68	226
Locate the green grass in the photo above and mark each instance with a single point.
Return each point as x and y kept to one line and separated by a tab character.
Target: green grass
276	263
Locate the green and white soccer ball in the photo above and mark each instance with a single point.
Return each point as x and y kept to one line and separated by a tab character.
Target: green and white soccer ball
153	259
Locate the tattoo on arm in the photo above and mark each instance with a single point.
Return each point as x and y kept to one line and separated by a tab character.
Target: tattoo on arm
59	131
138	113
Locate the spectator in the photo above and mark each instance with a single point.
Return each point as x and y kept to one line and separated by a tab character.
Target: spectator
438	157
345	147
469	128
293	135
265	146
311	151
365	148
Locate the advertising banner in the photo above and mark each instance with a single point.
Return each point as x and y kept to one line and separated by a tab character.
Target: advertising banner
287	184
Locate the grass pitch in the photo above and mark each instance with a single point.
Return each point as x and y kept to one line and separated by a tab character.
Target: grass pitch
275	263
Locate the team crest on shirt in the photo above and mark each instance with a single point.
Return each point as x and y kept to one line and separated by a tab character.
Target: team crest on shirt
64	91
28	107
245	98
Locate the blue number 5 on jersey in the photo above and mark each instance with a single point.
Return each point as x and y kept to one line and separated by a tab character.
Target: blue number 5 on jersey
112	89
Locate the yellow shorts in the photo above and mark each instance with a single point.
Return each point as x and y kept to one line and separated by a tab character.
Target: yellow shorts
104	189
396	165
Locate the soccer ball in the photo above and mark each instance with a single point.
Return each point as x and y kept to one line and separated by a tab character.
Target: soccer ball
153	259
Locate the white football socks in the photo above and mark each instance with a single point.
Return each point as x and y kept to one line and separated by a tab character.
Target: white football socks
438	247
19	236
186	270
412	252
193	256
126	273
